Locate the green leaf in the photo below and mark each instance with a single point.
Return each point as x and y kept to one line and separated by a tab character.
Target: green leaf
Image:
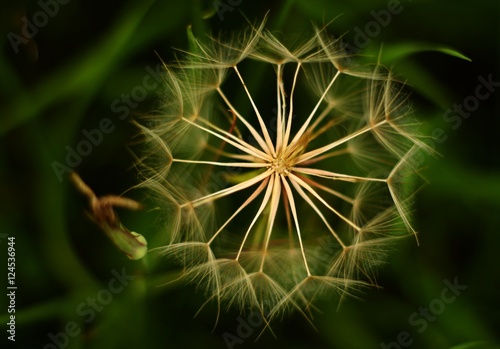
395	52
420	78
427	84
476	345
85	72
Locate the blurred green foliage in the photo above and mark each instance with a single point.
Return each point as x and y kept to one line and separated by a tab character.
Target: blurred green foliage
66	79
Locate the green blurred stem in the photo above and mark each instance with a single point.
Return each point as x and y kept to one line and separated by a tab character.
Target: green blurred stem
85	73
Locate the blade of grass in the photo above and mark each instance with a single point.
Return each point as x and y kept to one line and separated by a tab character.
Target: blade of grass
85	73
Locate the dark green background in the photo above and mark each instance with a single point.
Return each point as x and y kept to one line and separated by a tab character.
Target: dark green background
65	80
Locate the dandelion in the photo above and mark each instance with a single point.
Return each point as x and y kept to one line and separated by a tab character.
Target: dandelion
268	210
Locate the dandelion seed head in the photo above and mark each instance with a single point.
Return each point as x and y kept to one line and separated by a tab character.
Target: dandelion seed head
269	215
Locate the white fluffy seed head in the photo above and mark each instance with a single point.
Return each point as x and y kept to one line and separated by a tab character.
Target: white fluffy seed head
286	170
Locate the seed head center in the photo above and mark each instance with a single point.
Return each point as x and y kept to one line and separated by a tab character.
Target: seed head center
281	166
